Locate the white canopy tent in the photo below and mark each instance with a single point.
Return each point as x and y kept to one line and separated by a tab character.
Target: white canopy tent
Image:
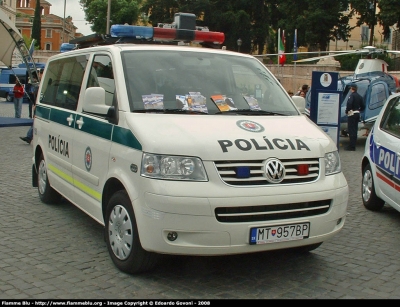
9	38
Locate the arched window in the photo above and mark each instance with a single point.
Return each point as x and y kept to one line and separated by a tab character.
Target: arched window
48	46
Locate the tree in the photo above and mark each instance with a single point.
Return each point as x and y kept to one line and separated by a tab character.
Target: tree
161	10
37	25
366	9
122	12
317	22
229	17
389	15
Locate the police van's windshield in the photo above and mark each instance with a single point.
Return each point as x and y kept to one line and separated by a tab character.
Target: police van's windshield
206	83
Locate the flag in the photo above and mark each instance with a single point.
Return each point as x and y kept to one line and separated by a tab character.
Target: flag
281	51
295	46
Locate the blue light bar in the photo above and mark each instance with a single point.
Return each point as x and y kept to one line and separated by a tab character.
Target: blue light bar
66	47
131	31
165	34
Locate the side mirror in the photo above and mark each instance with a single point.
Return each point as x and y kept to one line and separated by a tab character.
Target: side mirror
95	101
300	103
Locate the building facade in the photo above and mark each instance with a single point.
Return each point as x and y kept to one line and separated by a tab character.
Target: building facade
55	29
9	7
360	36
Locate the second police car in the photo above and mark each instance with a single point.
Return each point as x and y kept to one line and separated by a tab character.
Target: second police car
381	161
183	150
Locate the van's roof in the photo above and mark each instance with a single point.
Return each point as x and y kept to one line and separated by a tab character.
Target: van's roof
118	48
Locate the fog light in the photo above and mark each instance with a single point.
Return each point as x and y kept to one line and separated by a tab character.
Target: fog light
339	221
172	236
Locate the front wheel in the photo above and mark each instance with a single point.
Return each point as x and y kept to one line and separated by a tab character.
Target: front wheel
369	198
46	193
9	98
122	237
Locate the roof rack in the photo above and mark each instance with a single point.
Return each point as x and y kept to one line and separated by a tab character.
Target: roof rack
183	30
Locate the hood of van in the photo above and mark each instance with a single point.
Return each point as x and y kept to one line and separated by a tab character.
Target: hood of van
213	137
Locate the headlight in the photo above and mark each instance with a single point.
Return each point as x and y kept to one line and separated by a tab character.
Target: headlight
172	167
332	163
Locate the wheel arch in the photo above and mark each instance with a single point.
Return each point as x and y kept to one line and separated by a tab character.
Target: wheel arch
38	152
364	163
112	185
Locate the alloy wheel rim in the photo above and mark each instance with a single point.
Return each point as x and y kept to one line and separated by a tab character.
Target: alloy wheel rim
42	177
367	186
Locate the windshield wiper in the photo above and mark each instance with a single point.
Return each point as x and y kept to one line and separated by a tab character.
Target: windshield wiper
149	110
249	112
170	111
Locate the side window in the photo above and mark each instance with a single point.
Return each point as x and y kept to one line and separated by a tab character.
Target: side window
378	96
391	118
62	82
101	74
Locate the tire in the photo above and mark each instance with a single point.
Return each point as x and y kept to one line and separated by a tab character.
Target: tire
122	237
369	198
46	193
9	98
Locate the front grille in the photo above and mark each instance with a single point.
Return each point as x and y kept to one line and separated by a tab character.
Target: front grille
272	212
228	172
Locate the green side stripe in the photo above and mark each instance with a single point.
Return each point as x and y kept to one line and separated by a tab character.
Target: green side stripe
42	112
91	126
125	137
60	117
95	127
93	193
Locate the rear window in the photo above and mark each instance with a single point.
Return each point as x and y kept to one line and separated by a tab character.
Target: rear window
62	83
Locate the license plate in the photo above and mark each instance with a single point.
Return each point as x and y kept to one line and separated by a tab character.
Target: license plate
273	234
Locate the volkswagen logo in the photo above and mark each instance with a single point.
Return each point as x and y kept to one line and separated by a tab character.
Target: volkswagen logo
274	170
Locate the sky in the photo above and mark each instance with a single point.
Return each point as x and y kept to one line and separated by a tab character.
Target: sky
73	9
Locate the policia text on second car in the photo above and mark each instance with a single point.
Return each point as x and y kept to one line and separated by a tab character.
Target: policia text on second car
355	104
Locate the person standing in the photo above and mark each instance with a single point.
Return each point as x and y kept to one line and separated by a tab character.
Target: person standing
34	90
18	97
30	89
355	104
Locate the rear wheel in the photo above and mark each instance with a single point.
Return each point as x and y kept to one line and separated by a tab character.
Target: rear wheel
122	237
9	98
370	200
46	193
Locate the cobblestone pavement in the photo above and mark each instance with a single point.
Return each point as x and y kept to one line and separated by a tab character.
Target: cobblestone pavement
57	252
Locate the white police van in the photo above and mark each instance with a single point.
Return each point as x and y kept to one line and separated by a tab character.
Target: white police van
381	161
183	150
